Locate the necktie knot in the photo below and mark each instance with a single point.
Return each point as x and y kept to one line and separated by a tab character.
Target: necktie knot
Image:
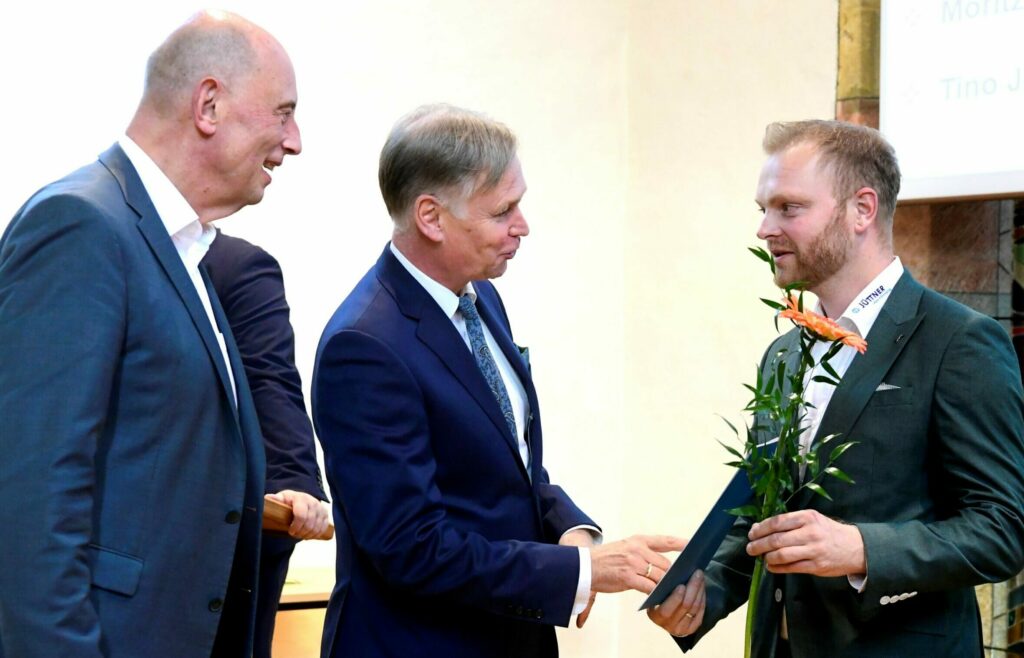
468	308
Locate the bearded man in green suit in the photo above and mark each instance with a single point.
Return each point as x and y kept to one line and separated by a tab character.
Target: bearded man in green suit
888	567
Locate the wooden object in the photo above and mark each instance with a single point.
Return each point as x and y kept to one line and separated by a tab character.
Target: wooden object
277	517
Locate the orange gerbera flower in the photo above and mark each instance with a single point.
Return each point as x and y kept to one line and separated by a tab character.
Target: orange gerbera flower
820	325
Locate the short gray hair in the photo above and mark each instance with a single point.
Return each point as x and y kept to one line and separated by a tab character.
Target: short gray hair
214	44
858	156
442	150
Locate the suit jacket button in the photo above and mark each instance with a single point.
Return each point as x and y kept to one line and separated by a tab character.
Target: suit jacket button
778	595
519	610
232	517
539	615
216	605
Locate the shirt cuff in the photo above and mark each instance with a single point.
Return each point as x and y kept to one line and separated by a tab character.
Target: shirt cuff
583	585
594	532
858	582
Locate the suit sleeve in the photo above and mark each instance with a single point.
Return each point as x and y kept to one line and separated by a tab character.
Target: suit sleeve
251	291
558	512
62	300
977	439
369	414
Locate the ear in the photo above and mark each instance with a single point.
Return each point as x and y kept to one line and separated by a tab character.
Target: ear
204	106
426	216
865	206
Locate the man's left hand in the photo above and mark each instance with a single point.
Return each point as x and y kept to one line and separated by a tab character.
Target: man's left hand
310	517
808	542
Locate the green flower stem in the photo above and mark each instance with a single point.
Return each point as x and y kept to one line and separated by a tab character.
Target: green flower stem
755	584
771	496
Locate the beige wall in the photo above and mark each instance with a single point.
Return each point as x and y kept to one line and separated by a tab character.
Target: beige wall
640	124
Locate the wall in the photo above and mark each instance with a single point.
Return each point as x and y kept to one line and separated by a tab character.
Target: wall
640	125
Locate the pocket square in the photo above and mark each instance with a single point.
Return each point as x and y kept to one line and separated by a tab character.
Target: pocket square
887	387
524	354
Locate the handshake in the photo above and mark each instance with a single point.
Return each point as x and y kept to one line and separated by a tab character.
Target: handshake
637	563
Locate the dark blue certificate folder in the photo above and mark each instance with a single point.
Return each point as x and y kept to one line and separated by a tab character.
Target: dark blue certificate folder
705	541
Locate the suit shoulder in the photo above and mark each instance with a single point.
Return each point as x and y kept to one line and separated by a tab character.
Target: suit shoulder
88	202
952	315
231	249
368	303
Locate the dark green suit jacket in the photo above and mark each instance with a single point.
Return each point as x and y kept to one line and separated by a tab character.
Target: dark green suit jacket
938	494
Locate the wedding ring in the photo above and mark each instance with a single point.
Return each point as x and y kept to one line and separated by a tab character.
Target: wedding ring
647	574
688	615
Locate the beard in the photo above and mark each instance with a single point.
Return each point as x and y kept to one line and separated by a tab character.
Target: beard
821	259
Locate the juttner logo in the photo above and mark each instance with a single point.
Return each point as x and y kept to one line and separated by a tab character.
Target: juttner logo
872	297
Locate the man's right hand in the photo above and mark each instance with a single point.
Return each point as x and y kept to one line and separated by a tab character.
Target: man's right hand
682	612
632	563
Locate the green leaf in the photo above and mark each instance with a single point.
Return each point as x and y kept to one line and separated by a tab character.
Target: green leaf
832	350
763	255
774	304
746	510
830	370
825	380
840	449
732	451
838	474
817	488
827	438
731	426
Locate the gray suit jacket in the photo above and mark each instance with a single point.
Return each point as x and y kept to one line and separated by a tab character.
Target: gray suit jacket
131	485
938	494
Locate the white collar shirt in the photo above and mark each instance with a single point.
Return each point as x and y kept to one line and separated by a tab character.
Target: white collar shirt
859	317
191	238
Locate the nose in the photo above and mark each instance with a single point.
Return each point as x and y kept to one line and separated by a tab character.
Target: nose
519	228
768	227
292	139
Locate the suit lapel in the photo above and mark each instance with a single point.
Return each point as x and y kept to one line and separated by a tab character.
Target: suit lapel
155	234
892	330
232	351
439	335
492	317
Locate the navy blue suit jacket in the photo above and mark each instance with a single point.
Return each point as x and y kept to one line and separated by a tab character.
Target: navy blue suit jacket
445	544
131	483
250	286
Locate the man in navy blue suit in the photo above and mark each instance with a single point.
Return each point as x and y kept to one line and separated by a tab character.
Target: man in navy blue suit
250	286
452	541
131	464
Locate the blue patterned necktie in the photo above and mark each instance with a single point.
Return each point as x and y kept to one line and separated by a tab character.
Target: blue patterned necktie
485	360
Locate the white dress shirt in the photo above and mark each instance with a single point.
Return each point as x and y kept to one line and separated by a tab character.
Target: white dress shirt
191	238
859	317
449	303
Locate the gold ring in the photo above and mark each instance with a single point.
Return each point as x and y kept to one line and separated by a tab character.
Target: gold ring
647	574
688	615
